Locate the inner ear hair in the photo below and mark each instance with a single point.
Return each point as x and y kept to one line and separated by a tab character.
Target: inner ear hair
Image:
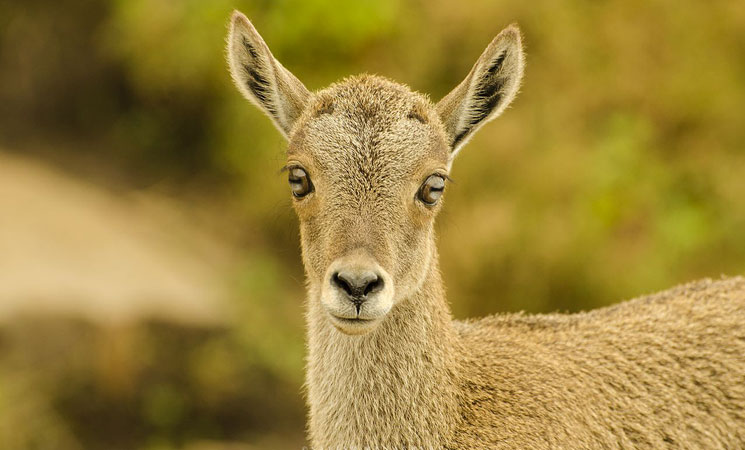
488	92
257	83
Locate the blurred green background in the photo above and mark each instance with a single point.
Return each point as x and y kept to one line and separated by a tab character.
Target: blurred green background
150	280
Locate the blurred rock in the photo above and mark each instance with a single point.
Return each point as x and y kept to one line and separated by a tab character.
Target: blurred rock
70	247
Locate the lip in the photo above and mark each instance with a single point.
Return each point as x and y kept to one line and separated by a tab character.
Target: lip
354	325
353	321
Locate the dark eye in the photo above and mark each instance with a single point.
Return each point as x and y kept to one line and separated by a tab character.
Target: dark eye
431	189
299	182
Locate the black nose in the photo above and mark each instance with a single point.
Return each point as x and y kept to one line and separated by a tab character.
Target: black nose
357	284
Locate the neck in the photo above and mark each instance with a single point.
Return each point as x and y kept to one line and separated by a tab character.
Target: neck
393	387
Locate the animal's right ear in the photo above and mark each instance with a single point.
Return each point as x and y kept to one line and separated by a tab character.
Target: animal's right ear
487	90
261	78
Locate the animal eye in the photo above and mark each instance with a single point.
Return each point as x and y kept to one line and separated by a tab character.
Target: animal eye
299	182
431	189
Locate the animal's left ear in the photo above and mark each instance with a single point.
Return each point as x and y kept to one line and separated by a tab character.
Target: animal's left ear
487	90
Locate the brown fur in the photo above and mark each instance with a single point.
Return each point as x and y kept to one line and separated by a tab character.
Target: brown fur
663	371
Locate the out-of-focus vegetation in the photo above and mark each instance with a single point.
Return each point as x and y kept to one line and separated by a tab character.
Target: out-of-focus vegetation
619	170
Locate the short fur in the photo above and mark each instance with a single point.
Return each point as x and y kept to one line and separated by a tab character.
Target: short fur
662	371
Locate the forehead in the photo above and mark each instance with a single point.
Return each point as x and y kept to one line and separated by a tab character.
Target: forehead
372	126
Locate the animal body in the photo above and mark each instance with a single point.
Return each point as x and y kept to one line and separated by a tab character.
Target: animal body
388	367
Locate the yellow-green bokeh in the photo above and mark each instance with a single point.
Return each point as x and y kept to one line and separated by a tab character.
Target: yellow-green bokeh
619	170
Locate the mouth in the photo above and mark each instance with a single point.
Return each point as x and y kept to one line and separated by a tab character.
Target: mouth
355	320
354	325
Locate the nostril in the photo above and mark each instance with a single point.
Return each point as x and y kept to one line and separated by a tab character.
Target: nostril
342	283
374	285
357	284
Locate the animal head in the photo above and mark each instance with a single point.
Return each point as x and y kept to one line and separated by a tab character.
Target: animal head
367	164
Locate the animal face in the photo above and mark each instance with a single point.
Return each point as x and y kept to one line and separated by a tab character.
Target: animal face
367	165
